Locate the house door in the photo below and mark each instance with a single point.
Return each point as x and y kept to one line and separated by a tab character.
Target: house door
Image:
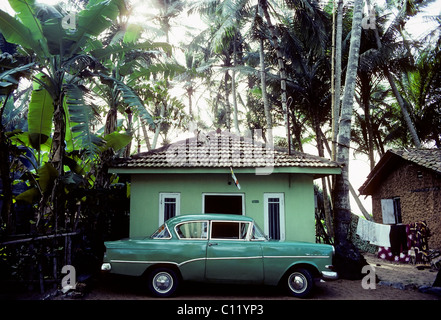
274	215
169	206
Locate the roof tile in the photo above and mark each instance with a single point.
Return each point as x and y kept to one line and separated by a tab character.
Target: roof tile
220	150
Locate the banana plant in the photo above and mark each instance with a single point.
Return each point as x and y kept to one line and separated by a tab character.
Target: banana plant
61	55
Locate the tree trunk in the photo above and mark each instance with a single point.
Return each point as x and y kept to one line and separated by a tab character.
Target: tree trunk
266	106
56	158
233	87
348	260
227	102
365	84
280	63
111	119
145	133
321	153
158	126
337	77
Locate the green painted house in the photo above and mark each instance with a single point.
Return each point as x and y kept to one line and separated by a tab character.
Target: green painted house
222	173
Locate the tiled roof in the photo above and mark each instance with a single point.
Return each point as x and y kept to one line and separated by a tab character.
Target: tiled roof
220	150
427	158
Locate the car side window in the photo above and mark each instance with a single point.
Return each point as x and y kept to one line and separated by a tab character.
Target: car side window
257	234
229	230
161	233
192	230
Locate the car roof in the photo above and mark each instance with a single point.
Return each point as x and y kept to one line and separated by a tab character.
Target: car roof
208	216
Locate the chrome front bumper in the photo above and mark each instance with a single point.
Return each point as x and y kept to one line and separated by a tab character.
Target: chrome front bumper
106	267
329	275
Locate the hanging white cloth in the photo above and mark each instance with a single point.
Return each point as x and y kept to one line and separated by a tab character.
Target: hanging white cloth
376	233
382	233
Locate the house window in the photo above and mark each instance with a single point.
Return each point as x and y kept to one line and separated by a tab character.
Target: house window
391	210
274	219
169	206
223	203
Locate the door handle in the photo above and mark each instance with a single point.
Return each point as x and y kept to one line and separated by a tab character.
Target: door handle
212	244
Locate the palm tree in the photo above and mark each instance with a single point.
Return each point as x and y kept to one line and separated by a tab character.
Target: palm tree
275	38
342	209
266	105
337	30
408	9
421	88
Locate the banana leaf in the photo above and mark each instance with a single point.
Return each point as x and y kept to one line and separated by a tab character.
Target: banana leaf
82	115
132	33
57	38
16	32
25	10
29	196
46	176
40	115
93	20
116	141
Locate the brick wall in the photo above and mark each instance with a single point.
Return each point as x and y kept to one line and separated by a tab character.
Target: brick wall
419	190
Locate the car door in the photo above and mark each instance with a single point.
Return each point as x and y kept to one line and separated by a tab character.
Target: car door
190	249
231	257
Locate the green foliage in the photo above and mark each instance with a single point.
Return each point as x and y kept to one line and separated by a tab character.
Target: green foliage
81	116
40	114
17	33
131	98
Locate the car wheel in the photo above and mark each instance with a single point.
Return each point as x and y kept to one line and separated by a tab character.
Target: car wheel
299	282
163	282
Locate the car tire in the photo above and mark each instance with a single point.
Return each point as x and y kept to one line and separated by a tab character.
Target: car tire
163	282
299	282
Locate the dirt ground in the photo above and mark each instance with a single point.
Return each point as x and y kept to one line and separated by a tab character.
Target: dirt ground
397	281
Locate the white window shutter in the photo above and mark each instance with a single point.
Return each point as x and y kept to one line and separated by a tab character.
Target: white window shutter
387	209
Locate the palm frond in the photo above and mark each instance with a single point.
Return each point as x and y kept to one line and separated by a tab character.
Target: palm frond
131	98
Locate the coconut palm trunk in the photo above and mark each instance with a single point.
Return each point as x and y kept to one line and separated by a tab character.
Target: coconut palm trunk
280	63
337	75
348	260
342	205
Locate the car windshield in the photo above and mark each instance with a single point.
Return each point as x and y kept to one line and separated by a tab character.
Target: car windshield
161	233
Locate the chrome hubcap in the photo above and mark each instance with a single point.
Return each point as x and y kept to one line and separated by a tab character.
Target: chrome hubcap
162	282
297	282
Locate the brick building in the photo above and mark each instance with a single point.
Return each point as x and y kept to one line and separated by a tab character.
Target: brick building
405	187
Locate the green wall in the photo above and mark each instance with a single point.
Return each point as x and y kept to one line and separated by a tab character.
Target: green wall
297	189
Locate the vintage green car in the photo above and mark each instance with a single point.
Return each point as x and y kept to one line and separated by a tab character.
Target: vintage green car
218	248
